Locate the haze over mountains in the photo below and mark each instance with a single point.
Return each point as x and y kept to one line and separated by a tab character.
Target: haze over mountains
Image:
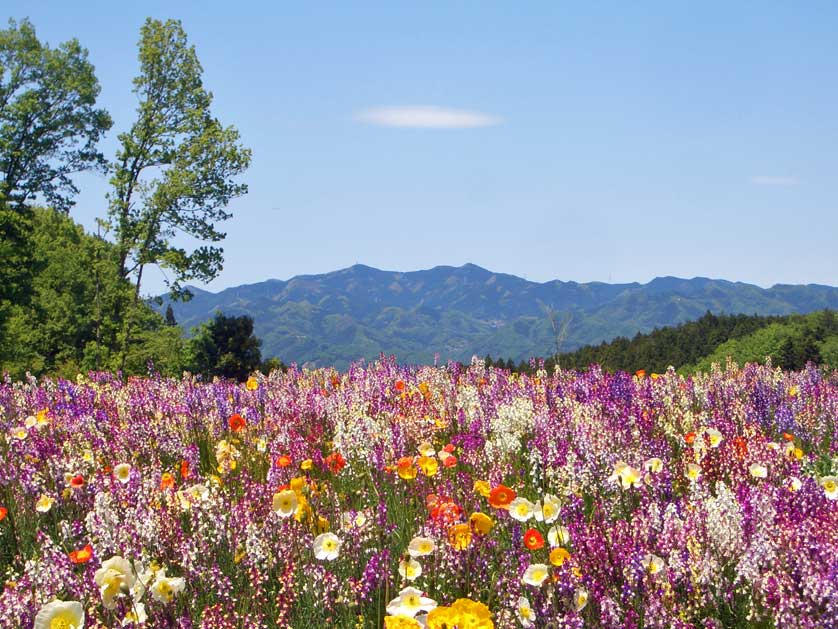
456	312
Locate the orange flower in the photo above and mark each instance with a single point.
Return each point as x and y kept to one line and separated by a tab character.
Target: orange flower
449	448
501	496
167	481
450	461
788	436
184	469
335	462
77	481
640	373
444	509
741	447
83	555
236	422
533	539
690	437
283	460
3	513
335	381
399	385
406	469
459	536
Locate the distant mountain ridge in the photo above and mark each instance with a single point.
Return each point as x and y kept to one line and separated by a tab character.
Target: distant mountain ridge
358	312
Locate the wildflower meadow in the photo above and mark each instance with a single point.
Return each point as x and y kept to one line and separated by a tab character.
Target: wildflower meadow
447	497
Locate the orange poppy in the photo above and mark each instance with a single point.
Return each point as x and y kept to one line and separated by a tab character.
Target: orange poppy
640	373
446	510
533	539
459	536
741	446
335	462
501	496
83	555
77	481
449	448
167	481
450	461
690	438
3	513
399	385
184	469
406	469
283	460
236	422
788	436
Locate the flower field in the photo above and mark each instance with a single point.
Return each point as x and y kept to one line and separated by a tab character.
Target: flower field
442	497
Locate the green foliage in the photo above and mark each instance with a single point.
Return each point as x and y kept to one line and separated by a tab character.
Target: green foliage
68	324
226	346
49	125
17	251
175	168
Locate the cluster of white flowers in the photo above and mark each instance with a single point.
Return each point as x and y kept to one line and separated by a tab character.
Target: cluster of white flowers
508	426
724	522
356	433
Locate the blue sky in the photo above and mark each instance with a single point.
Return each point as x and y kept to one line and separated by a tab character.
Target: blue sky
608	141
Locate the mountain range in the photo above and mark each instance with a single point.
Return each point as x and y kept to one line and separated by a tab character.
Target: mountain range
456	312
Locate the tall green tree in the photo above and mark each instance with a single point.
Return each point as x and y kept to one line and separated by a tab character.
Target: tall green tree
226	346
49	123
175	170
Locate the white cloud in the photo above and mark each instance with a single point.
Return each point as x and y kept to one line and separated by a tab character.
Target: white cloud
773	180
426	117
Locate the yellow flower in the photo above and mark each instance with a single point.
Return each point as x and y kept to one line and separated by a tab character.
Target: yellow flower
481	523
443	618
558	556
459	536
285	503
252	384
306	465
401	622
297	483
428	465
482	488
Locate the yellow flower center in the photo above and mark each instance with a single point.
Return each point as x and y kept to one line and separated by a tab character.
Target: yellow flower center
62	621
525	612
830	485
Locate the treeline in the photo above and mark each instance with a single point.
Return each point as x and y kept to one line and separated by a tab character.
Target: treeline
791	341
71	301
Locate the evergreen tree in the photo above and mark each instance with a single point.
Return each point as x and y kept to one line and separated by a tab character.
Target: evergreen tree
226	347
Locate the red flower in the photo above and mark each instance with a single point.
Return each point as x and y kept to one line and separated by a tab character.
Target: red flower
501	496
283	460
449	448
640	373
788	436
3	513
236	422
399	385
533	539
184	469
450	461
83	555
443	509
336	462
741	447
690	438
167	481
77	481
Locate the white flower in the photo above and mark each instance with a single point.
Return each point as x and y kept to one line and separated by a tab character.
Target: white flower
262	444
652	563
773	445
653	465
285	503
830	486
30	421
410	569
521	509
19	433
114	578
420	546
327	546
693	471
525	613
626	476
166	588
580	599
547	511
715	437
61	614
558	536
44	503
536	574
122	472
135	616
409	603
758	471
793	483
426	449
